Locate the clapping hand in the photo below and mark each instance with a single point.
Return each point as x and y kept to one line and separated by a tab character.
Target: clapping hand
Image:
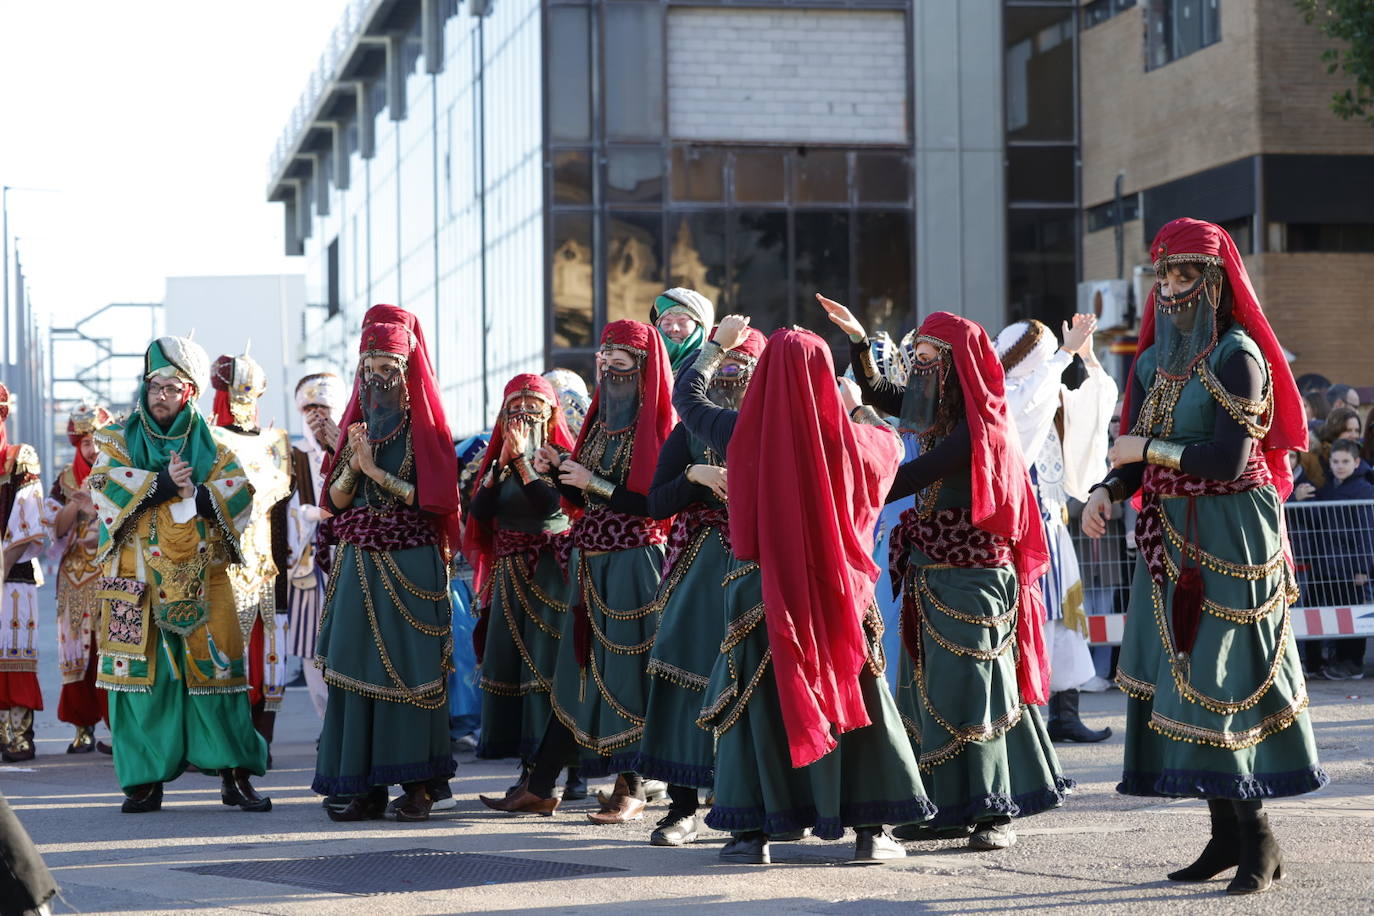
361	459
545	459
180	472
1078	336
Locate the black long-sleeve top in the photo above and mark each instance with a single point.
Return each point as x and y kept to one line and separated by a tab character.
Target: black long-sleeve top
711	424
623	499
949	457
879	393
1223	458
542	497
672	491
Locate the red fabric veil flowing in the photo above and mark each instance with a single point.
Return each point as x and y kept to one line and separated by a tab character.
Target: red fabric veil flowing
656	415
392	329
1003	501
806	486
478	541
1289	430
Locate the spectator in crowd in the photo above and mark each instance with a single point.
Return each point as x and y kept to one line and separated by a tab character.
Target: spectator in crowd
1345	558
1341	423
1343	396
1313	382
1368	450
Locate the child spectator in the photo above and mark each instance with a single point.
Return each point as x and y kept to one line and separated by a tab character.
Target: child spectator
1346	555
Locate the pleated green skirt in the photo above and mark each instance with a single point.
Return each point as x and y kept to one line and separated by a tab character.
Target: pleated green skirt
870	778
524	625
603	704
983	752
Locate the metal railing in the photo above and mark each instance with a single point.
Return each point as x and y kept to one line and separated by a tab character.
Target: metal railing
325	72
1332	547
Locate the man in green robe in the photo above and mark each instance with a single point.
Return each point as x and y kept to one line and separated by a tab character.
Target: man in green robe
173	506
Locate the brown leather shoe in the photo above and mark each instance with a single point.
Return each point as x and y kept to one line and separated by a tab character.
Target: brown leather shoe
607	802
623	808
416	804
524	802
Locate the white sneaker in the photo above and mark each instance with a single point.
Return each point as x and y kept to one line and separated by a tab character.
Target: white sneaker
1096	684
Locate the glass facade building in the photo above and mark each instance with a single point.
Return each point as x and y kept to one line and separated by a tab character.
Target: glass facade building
521	172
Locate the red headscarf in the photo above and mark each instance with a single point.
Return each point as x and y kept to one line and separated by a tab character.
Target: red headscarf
478	543
806	486
1182	237
392	329
1003	501
656	415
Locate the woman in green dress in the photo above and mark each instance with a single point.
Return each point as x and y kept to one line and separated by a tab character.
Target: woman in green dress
1218	702
689	487
600	683
385	643
807	735
514	529
968	558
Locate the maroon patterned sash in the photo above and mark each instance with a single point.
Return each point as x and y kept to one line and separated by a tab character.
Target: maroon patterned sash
529	545
1160	483
601	529
685	526
947	536
400	529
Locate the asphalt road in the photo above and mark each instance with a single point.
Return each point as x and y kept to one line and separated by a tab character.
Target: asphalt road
1101	853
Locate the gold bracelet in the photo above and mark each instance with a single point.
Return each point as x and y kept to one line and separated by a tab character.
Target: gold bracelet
600	486
525	469
867	416
397	487
709	359
1165	454
866	363
347	480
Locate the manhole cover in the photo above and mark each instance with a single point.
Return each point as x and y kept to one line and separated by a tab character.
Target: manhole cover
397	871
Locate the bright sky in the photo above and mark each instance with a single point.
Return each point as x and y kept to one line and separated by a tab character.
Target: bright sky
154	120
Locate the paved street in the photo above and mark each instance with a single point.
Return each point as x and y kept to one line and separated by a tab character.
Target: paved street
1101	853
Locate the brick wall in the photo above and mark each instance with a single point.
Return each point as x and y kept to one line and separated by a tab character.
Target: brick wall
1191	114
1322	309
1099	251
1295	89
787	75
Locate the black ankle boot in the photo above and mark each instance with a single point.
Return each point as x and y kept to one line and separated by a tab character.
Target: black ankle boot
1222	850
1261	862
1064	723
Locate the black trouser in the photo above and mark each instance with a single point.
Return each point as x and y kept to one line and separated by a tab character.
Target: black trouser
683	800
559	750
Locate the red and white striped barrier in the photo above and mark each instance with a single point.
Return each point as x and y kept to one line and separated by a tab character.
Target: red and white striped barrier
1308	623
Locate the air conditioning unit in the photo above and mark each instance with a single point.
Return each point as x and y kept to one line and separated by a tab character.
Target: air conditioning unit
1109	300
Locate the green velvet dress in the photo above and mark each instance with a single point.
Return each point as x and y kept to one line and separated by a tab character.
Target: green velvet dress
983	752
603	703
676	749
1229	720
525	614
385	647
870	778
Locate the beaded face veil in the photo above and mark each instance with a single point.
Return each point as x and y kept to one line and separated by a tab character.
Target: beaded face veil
1186	323
925	388
382	394
619	389
535	419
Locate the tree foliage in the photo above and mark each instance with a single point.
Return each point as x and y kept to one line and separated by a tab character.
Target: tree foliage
1350	22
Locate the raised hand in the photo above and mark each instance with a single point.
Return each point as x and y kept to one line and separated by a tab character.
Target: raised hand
361	459
731	331
1079	335
841	317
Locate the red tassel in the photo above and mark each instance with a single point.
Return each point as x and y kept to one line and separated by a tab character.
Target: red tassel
582	633
1187	608
1187	598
